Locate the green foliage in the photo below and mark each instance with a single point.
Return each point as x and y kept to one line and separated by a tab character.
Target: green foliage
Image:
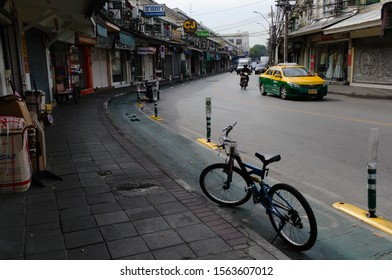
256	51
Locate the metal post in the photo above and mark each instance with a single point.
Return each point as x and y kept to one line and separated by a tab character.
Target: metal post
208	118
374	137
156	109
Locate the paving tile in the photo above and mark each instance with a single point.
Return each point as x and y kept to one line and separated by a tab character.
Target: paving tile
179	252
195	232
100	198
43	227
127	247
43	206
44	244
82	238
161	198
151	225
78	223
63	194
142	213
162	239
56	255
103	188
105	208
209	247
142	256
71	202
111	218
182	219
170	208
135	202
36	218
75	212
92	252
118	231
11	243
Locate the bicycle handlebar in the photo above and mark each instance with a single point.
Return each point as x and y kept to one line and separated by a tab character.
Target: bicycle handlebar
229	128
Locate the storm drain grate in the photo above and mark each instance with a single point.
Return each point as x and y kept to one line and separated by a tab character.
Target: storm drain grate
133	186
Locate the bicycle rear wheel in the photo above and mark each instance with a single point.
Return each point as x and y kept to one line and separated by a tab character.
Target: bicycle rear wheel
297	225
214	183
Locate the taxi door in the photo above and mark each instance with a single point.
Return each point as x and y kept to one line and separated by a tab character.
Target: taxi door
276	81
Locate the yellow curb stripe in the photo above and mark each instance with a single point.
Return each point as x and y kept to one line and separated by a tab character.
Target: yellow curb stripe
210	144
379	222
156	118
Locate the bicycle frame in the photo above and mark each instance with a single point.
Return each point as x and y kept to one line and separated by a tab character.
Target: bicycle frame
248	170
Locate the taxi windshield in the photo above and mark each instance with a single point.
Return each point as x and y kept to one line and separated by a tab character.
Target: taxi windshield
297	72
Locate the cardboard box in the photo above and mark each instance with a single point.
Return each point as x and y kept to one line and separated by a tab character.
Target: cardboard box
10	105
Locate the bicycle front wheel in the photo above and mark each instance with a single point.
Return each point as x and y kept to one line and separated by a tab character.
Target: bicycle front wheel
214	181
295	223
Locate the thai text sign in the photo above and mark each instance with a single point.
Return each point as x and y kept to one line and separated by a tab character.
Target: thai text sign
202	33
154	10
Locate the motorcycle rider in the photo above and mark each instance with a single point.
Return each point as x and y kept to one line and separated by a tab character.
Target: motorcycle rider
246	70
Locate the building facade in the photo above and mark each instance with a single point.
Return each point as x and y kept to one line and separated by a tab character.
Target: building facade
344	41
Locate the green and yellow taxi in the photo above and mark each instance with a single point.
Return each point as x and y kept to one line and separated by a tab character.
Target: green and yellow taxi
289	80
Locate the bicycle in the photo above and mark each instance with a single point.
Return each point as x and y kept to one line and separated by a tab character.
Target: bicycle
289	212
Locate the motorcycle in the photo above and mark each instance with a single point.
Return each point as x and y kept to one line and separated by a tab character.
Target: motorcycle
244	80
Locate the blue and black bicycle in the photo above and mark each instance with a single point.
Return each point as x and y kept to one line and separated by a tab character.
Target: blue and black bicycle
229	185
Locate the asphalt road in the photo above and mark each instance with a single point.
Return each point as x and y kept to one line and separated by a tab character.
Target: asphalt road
323	146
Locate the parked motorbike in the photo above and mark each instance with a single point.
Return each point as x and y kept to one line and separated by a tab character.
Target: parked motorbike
244	80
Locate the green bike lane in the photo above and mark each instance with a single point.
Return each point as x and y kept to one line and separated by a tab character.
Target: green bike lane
340	237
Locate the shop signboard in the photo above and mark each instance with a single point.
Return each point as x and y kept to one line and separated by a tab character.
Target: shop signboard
126	39
146	50
154	10
190	26
102	30
202	33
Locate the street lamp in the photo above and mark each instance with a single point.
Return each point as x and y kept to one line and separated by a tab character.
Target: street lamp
270	33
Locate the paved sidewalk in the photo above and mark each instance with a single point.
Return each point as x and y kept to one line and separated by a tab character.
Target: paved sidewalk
361	92
114	202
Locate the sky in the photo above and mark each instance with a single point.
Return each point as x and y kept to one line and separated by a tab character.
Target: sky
229	16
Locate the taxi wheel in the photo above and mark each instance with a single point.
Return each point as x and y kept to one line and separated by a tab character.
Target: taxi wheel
283	93
262	90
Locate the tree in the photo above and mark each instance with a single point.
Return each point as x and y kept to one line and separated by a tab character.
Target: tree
256	51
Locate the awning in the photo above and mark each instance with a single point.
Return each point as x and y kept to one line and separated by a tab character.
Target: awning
359	21
319	25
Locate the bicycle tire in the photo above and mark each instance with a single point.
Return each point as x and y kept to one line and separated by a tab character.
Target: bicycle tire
300	226
212	182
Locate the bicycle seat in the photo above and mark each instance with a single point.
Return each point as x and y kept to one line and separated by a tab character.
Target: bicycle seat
267	159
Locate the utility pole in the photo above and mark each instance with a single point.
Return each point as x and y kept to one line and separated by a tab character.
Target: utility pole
272	38
286	6
286	32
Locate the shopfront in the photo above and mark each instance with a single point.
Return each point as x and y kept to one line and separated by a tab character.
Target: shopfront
147	61
372	60
122	59
332	60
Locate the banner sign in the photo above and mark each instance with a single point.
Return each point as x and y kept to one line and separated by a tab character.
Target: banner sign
154	10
